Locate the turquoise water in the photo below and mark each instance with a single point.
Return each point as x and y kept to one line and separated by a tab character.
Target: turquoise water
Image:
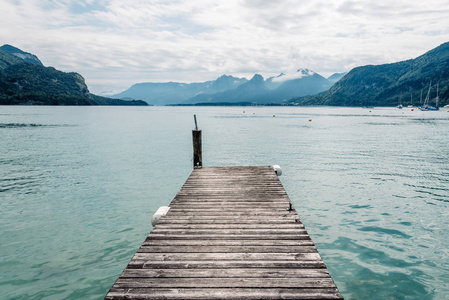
78	187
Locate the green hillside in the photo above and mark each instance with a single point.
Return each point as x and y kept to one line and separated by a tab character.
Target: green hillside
34	84
389	84
25	83
7	60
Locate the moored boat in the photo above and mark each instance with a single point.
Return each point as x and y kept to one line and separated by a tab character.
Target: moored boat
426	105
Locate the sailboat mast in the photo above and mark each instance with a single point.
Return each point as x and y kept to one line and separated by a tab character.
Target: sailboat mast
420	99
437	98
426	101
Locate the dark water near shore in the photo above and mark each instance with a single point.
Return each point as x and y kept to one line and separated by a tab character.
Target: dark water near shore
78	187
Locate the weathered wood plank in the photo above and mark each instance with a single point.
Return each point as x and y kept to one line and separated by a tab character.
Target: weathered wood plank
226	273
228	236
292	225
223	264
225	283
228	249
241	214
238	199
221	242
225	203
217	293
231	204
225	256
184	210
228	220
237	231
231	199
279	218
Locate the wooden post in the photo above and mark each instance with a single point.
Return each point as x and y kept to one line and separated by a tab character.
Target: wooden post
197	147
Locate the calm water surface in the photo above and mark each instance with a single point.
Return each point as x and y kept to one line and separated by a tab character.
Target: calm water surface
78	187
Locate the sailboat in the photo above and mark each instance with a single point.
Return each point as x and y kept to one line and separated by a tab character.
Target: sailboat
400	102
426	105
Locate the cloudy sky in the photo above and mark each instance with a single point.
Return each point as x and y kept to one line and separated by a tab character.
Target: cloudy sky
116	43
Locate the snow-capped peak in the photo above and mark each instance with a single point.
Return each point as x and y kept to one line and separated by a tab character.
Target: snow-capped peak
300	73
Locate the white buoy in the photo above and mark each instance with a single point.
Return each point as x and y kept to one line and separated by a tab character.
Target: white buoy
161	211
278	170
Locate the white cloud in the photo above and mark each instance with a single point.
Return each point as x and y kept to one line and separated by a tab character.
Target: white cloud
300	73
114	44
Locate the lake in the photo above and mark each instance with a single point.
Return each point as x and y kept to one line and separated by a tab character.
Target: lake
78	187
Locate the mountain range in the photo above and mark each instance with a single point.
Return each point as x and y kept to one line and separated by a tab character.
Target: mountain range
390	84
25	80
232	90
371	85
175	92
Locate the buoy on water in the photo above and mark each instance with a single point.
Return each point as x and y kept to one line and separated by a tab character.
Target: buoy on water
274	116
243	111
277	169
310	120
161	211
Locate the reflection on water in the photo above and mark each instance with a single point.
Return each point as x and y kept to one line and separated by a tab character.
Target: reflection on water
78	186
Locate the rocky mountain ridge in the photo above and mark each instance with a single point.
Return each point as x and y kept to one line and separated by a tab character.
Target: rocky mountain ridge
25	81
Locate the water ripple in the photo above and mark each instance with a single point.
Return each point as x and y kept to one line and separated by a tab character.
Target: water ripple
374	274
392	232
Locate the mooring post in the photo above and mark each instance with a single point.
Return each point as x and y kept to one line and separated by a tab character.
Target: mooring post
197	147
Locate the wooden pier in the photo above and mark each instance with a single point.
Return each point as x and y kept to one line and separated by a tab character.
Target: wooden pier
229	234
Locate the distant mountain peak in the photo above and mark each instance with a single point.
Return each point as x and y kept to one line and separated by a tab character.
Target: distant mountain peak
257	78
11	49
336	77
300	73
31	58
305	72
256	83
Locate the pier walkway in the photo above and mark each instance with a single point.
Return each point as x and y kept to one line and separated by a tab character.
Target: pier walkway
229	234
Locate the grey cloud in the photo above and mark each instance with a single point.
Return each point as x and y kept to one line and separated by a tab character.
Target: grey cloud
118	43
